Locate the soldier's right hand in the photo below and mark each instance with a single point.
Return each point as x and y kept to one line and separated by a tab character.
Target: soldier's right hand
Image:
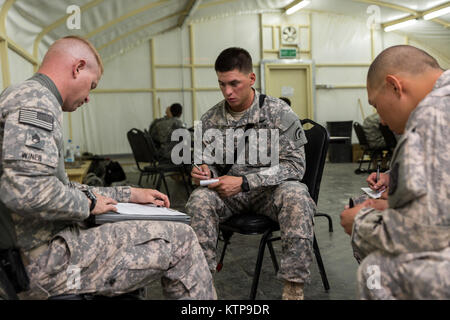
103	205
198	175
375	185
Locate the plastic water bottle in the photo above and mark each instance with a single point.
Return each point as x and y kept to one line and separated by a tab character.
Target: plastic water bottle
77	153
70	153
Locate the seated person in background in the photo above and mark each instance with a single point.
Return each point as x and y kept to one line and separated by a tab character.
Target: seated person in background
371	127
404	242
44	208
278	193
161	130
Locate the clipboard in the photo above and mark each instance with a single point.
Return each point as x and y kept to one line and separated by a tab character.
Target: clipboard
134	211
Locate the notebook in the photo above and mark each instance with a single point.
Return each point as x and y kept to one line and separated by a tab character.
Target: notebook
134	211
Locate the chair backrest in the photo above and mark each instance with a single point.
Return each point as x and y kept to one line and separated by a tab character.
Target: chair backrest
315	152
361	135
140	146
389	136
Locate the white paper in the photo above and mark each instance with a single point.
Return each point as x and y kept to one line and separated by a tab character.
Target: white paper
146	209
208	182
373	194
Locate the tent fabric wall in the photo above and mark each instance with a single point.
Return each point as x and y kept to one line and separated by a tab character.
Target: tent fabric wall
335	39
148	63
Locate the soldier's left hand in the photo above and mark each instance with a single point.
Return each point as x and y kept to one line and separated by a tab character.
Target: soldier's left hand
348	216
378	204
144	196
227	186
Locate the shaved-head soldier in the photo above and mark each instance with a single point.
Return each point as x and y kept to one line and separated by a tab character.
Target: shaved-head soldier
45	210
403	242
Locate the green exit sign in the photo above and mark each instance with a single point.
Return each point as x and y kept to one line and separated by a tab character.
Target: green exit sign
288	53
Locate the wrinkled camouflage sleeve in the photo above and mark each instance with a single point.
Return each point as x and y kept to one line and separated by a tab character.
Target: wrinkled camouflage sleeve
29	185
291	160
120	194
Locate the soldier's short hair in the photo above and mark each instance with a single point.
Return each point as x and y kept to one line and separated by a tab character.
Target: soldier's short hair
91	47
232	59
176	109
400	58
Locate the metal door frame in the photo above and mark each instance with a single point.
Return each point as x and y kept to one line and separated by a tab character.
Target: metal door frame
311	69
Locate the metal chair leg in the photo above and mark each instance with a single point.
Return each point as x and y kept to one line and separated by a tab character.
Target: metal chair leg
272	255
330	222
226	240
259	260
323	274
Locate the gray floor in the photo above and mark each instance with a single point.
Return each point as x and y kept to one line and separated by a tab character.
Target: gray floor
234	281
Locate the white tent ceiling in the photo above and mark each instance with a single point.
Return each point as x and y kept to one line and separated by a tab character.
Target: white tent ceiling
115	26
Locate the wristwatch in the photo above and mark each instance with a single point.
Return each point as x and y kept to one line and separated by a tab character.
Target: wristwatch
244	186
91	196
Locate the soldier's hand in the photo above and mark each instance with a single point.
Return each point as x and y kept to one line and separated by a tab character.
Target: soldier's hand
348	216
378	204
375	185
140	195
198	175
227	186
103	205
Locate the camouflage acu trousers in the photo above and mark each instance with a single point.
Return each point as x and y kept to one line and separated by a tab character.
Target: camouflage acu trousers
288	203
121	257
423	275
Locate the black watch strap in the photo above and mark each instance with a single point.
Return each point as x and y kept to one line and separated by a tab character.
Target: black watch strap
91	196
244	186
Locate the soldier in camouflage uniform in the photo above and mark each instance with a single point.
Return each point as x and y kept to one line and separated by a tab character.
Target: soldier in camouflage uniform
161	129
252	186
371	126
403	242
60	256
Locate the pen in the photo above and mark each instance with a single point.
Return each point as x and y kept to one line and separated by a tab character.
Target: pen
351	204
195	165
378	172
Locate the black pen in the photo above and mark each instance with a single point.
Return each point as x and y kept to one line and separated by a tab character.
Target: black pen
351	204
378	172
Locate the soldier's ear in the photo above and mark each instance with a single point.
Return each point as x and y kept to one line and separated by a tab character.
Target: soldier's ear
394	84
77	67
252	78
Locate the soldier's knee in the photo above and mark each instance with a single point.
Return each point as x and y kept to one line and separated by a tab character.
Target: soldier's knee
292	193
201	198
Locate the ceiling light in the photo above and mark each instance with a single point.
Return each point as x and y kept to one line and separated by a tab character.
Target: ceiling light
297	6
400	25
437	13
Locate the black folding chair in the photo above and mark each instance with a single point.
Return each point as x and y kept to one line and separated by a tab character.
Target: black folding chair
145	152
251	224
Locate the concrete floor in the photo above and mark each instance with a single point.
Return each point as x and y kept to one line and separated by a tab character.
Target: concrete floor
339	182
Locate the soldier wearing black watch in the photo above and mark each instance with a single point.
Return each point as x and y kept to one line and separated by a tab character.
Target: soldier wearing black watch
244	186
91	196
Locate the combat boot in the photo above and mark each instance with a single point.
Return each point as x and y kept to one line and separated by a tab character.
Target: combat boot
292	291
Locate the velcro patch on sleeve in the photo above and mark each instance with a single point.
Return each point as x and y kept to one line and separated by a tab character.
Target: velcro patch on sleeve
35	118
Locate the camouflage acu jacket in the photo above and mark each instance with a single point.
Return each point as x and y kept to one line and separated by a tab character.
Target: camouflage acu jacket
418	218
34	188
274	151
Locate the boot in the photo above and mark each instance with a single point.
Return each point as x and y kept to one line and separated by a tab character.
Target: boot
292	291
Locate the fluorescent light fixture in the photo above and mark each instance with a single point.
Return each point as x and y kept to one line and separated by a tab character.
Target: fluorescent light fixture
400	25
299	5
437	13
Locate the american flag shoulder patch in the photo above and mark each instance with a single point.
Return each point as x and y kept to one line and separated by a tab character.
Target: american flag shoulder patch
35	118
